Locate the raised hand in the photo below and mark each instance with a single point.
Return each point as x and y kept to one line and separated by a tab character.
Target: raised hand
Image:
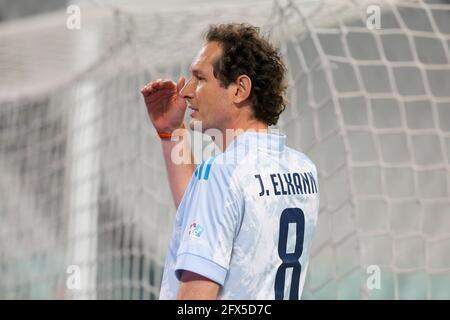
165	106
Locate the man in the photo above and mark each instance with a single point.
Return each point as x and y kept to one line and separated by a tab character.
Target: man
246	217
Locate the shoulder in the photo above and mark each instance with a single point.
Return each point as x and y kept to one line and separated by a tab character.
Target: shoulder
302	158
215	183
215	168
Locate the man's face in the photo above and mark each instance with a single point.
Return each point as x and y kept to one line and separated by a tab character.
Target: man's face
208	101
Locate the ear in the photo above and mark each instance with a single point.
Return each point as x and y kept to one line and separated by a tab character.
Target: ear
242	88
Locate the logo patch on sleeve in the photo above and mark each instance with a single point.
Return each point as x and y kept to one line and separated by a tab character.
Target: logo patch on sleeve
196	230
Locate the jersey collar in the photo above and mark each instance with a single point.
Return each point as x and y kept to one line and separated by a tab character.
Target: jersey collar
272	141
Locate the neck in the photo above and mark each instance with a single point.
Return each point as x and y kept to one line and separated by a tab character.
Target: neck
231	133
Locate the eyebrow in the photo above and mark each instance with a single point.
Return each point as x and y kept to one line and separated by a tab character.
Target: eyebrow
195	71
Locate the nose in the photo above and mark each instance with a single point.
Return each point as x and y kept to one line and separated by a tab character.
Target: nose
187	91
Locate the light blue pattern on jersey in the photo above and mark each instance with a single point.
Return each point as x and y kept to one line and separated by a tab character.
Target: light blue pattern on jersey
227	227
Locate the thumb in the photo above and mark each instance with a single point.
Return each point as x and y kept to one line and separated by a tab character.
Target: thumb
180	98
181	83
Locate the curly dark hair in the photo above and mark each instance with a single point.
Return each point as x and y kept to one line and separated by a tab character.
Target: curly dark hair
245	51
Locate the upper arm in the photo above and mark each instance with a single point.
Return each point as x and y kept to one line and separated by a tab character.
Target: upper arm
211	218
194	286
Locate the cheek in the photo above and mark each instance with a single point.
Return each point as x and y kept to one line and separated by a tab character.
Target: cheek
200	94
204	96
212	101
224	102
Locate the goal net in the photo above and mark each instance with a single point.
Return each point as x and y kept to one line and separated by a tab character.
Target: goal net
86	210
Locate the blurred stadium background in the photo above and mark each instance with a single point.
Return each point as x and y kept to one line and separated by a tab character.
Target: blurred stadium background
82	179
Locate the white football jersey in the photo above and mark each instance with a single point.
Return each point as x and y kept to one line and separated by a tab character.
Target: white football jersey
246	221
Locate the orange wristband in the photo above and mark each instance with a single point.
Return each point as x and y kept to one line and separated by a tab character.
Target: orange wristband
164	135
168	135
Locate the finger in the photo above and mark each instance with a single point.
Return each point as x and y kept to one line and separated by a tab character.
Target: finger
165	84
180	84
144	87
157	97
168	84
147	90
157	85
147	87
151	87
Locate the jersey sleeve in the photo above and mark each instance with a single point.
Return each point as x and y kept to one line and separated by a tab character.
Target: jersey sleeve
212	216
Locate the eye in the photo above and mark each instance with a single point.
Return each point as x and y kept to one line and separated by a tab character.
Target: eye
198	76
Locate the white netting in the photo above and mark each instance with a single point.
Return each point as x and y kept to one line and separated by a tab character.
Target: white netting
377	125
83	180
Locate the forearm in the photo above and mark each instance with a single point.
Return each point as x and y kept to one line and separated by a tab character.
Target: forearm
179	164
